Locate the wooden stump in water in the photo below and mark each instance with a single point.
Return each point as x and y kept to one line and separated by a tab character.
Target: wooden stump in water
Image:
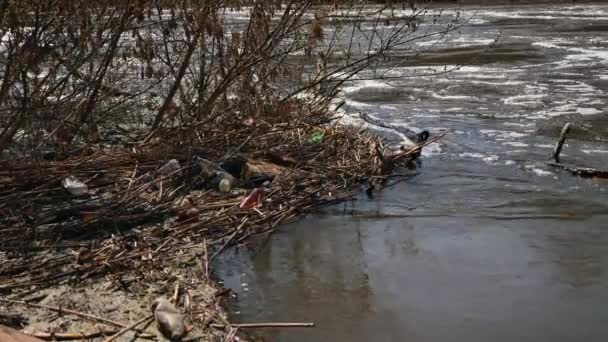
557	150
575	170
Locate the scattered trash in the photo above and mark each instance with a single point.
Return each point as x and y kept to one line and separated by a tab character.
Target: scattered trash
249	121
169	321
208	169
252	200
257	169
225	185
170	167
74	186
316	138
213	174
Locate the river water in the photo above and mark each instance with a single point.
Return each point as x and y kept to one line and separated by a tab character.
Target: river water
485	243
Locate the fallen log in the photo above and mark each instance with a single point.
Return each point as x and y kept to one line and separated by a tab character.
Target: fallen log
585	172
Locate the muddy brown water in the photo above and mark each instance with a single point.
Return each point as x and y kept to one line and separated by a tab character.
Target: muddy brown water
484	242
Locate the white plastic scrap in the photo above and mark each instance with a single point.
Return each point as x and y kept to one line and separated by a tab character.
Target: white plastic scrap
74	186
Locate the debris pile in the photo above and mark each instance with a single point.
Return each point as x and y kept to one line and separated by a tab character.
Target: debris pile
135	210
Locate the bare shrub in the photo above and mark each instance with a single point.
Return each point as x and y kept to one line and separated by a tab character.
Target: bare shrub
74	74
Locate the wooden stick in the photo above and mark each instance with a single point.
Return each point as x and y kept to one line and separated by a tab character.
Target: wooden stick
231	334
557	150
130	327
238	229
206	259
71	336
268	325
67	311
175	293
138	333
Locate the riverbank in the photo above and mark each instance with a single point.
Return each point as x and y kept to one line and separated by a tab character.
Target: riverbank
141	231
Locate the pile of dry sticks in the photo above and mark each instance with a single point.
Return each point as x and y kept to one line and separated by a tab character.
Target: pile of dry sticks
137	214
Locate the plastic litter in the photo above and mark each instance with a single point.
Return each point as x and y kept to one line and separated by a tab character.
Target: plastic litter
316	138
169	321
225	185
252	200
74	186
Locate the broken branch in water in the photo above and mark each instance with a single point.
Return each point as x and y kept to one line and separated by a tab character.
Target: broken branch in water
586	172
557	150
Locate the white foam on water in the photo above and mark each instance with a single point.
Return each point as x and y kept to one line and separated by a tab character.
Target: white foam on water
491	158
582	87
403	124
357	104
472	155
430	43
431	149
455	97
548	15
515	134
366	84
524	100
547	45
541	172
537	170
505	83
536	87
588	111
477	21
569	108
594	151
491	132
426	115
516	152
585	54
509	116
388	107
543	145
515	144
519	124
501	134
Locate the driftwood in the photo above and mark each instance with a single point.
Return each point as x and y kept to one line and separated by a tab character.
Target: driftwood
268	325
72	336
586	172
557	150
